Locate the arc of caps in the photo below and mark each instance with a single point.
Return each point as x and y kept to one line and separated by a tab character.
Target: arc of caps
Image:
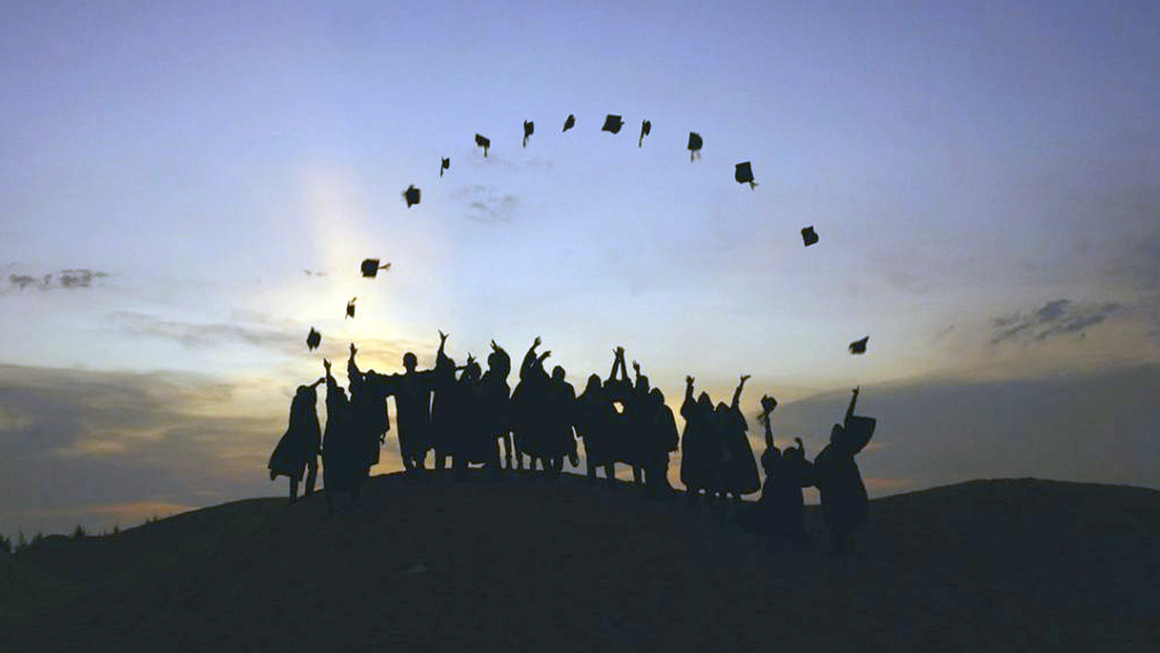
695	145
483	142
529	129
744	174
412	195
859	346
350	308
444	164
569	122
612	123
645	128
313	339
370	267
809	236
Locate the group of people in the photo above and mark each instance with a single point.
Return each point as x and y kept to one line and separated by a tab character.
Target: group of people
464	415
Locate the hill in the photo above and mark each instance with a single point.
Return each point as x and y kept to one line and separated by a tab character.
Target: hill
531	563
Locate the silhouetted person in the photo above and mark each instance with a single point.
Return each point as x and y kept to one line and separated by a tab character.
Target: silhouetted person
343	455
528	408
844	500
496	408
412	391
594	416
786	473
559	417
621	440
370	419
474	443
444	414
737	471
661	439
638	411
698	456
297	450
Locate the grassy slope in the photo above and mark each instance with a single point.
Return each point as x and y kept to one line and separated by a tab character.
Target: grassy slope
531	563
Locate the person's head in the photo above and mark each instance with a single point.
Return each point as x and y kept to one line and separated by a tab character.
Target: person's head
410	361
594	383
656	396
721	407
704	401
499	363
642	384
473	371
558	374
836	434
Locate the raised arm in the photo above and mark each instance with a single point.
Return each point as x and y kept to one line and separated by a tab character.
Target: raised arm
768	403
352	371
687	404
853	402
737	392
529	359
441	355
317	383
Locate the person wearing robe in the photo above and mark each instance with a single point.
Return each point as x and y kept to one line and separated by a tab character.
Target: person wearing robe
618	388
697	442
412	391
474	442
845	503
661	439
736	472
638	413
343	455
528	408
370	419
496	409
297	450
559	418
444	415
782	506
594	415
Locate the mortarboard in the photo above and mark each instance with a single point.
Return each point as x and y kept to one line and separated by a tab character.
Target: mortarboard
483	142
809	236
313	339
350	307
612	123
371	267
411	195
529	129
445	164
859	346
744	174
695	144
645	128
569	122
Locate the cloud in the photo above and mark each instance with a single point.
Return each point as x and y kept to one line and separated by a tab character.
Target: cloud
70	279
486	204
1056	317
197	335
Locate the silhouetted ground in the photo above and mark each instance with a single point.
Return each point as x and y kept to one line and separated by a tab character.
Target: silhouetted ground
537	564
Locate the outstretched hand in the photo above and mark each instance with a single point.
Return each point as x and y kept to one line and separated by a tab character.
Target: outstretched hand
636	367
353	350
326	364
744	378
443	336
688	380
545	354
857	390
537	342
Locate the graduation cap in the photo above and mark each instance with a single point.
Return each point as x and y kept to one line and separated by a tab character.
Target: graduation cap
350	307
569	122
859	346
313	339
809	236
612	123
444	165
695	144
371	267
645	128
744	174
411	195
529	129
483	142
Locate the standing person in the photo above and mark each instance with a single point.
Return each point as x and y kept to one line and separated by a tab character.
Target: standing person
528	401
661	440
594	416
370	419
638	411
297	450
497	399
473	441
444	415
559	418
786	473
620	444
845	503
698	454
737	473
412	391
343	455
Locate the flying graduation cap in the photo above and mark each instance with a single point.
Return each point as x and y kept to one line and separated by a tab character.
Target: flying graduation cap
645	128
695	144
859	346
612	123
370	267
313	339
569	122
483	142
411	195
529	129
744	175
350	307
445	164
809	236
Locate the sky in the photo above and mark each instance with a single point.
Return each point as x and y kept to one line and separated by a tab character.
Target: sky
187	188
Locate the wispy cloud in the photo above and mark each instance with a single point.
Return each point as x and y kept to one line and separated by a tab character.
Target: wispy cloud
1056	317
69	279
486	204
197	335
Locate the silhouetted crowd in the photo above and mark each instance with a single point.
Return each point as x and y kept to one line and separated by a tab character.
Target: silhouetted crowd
464	416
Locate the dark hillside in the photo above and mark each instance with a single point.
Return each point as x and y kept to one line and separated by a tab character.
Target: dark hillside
535	564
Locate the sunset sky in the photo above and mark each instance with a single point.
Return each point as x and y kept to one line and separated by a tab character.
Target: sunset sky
187	188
